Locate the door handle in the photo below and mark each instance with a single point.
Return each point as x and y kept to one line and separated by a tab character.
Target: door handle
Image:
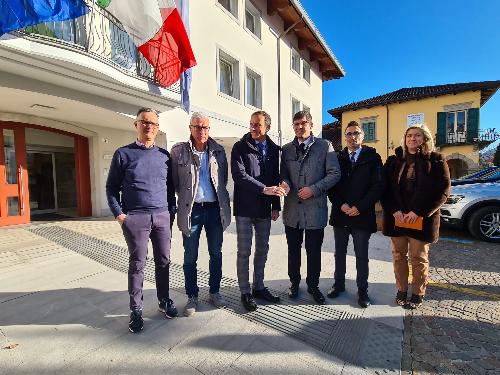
21	190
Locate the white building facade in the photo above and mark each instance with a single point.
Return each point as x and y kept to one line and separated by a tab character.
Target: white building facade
253	55
70	91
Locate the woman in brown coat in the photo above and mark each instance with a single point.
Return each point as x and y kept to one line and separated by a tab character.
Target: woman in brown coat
417	184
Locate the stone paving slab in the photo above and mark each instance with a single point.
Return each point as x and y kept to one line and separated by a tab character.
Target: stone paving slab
371	344
457	330
74	321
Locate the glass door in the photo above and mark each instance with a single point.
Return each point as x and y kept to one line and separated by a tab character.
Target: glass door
42	184
14	196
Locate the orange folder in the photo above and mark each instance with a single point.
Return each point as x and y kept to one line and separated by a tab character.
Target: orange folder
417	225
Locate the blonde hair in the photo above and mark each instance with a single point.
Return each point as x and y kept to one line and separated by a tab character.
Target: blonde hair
427	146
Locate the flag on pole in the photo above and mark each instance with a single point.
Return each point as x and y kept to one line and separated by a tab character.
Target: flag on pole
186	76
18	14
156	28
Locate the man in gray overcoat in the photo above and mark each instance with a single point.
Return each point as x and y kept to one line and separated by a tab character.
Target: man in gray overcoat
309	168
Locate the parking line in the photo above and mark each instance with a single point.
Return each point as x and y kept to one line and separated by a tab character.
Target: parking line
461	289
473	292
456	239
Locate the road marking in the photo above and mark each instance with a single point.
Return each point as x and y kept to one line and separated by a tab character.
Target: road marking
473	292
459	240
461	289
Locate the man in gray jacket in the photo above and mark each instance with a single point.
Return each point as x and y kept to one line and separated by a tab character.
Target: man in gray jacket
200	173
309	168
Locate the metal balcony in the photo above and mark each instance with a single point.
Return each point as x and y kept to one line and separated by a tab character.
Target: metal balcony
480	140
100	35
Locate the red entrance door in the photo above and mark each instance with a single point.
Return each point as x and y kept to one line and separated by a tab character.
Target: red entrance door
14	195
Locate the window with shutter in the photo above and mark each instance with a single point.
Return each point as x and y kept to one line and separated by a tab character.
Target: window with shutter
369	130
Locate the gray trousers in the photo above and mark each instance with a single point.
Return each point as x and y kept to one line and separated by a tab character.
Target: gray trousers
244	231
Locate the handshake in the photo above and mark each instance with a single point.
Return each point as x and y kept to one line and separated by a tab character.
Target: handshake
281	190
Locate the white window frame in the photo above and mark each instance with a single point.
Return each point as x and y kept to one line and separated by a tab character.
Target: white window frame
294	99
294	52
369	120
256	14
306	67
233	11
258	85
228	58
455	136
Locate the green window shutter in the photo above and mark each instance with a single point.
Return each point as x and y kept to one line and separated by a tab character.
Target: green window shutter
472	124
369	130
441	128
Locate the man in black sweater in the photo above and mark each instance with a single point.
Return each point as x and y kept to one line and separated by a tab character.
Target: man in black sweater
141	172
353	208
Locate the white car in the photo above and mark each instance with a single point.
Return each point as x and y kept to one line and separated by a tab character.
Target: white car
475	207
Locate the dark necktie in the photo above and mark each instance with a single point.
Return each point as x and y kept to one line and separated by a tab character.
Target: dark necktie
353	160
302	148
261	149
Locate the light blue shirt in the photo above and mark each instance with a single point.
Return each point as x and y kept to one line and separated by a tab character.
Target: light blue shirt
205	191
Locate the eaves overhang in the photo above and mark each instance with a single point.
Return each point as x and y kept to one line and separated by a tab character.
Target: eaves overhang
309	38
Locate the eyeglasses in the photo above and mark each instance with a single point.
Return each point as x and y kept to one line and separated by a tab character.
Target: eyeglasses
257	125
302	123
353	134
200	128
146	123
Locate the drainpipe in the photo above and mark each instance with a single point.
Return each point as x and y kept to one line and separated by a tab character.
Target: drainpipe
278	49
387	130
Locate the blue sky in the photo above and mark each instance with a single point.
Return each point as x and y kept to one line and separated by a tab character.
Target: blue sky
385	45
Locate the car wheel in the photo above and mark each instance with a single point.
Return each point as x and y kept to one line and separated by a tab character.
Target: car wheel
484	224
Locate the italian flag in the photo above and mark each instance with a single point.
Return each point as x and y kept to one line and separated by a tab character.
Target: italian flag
157	30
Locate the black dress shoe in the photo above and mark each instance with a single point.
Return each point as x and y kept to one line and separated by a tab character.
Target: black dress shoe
248	302
401	298
415	302
335	291
265	294
317	295
293	291
363	299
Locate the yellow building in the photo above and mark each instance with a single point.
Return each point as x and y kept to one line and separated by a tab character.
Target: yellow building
450	111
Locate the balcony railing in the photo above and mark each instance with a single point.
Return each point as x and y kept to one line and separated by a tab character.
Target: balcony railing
484	136
489	135
456	137
100	35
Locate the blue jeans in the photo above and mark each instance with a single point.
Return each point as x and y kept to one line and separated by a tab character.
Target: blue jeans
208	217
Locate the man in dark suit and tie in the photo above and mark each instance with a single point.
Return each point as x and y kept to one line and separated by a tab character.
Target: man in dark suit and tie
353	208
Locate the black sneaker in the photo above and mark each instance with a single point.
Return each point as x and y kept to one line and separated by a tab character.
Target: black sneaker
265	294
401	298
136	324
166	306
248	302
415	302
293	291
335	291
317	295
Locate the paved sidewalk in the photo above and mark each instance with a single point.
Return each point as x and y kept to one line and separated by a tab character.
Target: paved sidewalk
457	330
64	309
